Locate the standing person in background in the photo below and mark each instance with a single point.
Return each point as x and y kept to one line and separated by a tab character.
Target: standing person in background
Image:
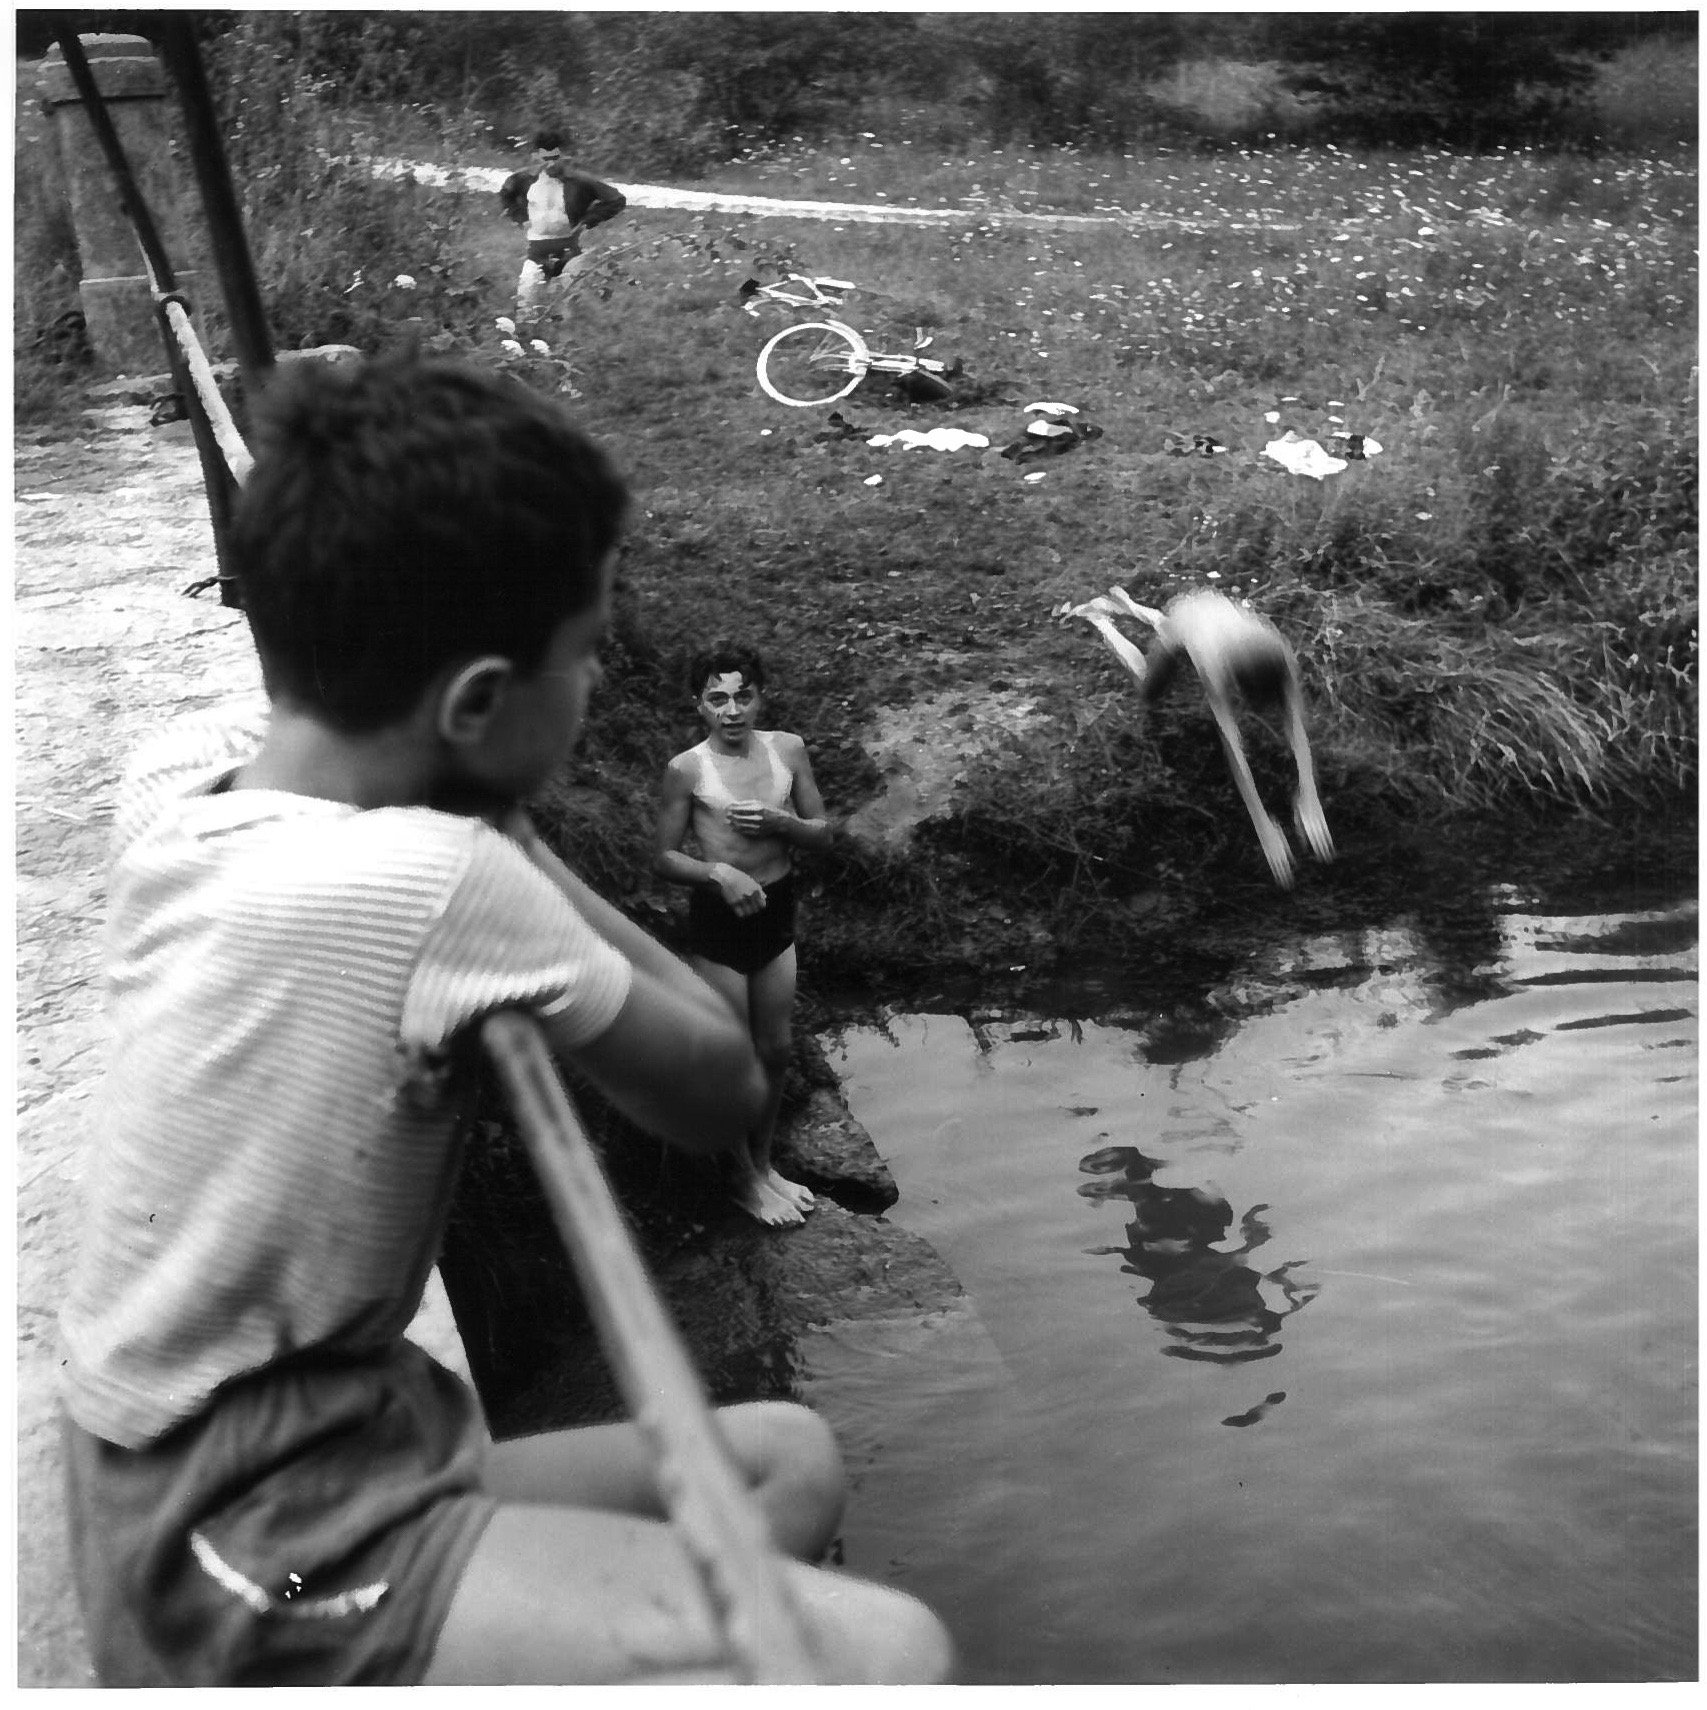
749	799
556	203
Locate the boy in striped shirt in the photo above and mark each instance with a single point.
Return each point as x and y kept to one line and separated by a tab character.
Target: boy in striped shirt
308	911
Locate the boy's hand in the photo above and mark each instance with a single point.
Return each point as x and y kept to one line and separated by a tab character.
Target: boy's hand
752	819
1313	827
1274	846
743	893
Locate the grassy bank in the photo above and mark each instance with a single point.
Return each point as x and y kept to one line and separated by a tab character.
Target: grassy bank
1496	614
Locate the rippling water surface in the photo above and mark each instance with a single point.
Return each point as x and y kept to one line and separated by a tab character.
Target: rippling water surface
1347	1337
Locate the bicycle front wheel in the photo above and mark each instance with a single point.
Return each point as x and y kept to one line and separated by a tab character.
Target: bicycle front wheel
816	362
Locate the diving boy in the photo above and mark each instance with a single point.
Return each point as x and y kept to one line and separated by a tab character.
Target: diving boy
309	910
749	800
1237	656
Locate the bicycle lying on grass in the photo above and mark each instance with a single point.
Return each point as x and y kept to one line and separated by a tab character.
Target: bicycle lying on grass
818	362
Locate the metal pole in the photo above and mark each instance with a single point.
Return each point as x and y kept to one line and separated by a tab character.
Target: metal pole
703	1494
136	209
243	307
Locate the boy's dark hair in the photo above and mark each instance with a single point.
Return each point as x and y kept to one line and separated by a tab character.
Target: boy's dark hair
404	514
550	139
723	656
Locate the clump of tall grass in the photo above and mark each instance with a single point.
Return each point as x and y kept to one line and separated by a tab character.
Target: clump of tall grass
342	256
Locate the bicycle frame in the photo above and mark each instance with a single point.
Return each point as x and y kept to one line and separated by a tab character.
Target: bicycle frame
816	297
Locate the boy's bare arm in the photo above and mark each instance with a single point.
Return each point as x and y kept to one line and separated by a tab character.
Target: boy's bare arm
682	1070
611	924
674	814
812	828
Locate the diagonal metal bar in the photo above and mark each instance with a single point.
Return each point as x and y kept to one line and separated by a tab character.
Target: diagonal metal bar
711	1509
175	34
136	208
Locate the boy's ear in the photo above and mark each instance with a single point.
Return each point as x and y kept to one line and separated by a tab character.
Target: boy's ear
471	698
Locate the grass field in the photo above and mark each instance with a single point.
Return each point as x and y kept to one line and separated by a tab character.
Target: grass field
1496	614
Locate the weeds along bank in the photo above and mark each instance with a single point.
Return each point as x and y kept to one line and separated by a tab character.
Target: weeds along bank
1496	615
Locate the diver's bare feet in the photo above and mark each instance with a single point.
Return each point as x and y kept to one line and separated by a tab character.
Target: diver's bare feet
761	1201
796	1193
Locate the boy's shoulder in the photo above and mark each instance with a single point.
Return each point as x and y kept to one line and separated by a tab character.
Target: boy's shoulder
188	755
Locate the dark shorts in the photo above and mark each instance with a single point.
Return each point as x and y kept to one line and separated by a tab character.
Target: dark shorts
309	1528
552	254
745	943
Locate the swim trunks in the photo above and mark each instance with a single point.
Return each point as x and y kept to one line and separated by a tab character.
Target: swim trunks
551	255
748	942
308	1528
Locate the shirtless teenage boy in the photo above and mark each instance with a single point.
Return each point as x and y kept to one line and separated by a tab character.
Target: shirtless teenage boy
1238	656
749	800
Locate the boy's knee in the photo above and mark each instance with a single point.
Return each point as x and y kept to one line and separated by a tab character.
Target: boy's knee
791	1457
874	1635
802	1447
915	1649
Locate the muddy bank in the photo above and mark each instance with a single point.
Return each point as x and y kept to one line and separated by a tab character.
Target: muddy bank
742	1295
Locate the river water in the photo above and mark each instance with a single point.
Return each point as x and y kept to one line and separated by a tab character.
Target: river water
1344	1331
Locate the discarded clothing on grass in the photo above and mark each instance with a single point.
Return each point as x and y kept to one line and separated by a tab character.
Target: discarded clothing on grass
839	428
1356	446
1199	445
937	439
1303	456
1050	437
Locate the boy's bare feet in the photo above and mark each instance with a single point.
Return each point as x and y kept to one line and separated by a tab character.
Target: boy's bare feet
760	1200
796	1193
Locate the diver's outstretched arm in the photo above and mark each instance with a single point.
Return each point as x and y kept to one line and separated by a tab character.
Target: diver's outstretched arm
1269	835
1130	606
1118	645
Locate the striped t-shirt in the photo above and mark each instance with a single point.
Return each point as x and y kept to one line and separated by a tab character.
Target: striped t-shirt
275	1140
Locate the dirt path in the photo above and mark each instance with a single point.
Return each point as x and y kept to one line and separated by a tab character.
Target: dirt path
108	529
977	210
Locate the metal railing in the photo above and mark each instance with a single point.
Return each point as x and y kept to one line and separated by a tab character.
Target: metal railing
703	1493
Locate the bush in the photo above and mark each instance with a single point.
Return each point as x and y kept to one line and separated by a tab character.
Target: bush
331	242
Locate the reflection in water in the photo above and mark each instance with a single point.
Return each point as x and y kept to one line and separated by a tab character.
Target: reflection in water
1212	1304
1479	1458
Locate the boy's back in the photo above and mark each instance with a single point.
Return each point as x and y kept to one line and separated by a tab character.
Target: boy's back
285	975
268	1483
